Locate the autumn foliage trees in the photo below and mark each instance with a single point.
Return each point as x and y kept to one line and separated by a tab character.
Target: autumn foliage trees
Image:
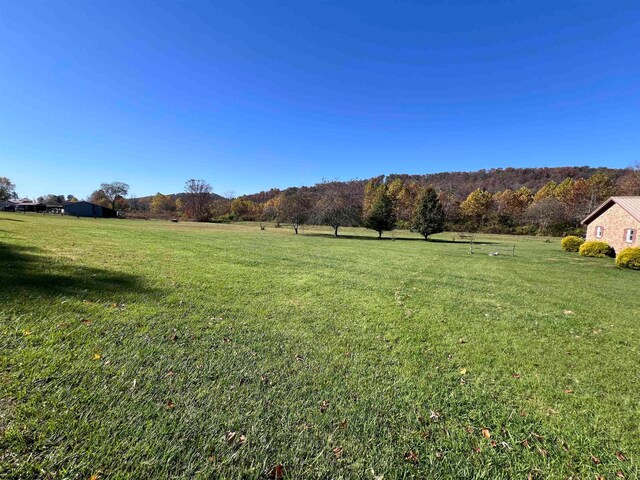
379	209
428	216
409	202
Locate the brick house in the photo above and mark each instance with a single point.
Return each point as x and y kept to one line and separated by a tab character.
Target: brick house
616	221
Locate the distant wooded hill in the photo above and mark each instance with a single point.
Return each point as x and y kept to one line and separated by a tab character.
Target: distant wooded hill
143	202
461	184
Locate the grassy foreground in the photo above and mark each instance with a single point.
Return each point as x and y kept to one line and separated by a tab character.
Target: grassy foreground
133	349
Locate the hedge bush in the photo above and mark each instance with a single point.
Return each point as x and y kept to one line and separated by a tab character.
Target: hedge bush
596	249
629	258
571	243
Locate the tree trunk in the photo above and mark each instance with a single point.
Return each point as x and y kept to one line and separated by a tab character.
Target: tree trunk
295	228
335	230
379	233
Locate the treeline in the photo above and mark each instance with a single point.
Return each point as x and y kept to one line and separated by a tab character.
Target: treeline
513	200
461	184
396	201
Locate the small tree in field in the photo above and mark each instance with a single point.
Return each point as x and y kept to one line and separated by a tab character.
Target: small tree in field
294	207
381	215
337	209
428	216
197	199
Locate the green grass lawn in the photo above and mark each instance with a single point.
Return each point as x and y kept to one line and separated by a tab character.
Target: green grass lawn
129	349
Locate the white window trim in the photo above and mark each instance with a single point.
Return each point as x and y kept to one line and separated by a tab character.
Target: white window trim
599	231
629	235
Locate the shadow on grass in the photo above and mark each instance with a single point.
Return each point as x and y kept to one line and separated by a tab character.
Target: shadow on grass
396	239
11	219
27	270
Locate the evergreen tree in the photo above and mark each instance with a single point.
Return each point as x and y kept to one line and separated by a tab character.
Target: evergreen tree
428	216
381	216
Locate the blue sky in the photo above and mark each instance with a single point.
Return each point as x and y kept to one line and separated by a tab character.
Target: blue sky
253	95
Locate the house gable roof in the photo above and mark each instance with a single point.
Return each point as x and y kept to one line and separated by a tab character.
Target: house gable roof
631	205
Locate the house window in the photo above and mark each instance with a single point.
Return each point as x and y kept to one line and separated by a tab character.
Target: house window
629	235
599	231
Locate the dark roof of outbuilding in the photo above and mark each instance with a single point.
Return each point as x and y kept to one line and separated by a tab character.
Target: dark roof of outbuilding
84	201
631	205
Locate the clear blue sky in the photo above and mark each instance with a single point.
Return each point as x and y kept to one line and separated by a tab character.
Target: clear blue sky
253	95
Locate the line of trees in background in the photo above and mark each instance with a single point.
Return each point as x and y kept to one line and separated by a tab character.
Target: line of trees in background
387	203
396	201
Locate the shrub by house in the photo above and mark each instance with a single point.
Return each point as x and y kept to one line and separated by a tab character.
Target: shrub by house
596	249
571	243
629	258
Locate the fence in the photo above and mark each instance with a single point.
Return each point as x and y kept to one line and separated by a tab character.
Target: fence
491	248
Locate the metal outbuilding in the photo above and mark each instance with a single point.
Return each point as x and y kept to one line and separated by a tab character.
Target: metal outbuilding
88	209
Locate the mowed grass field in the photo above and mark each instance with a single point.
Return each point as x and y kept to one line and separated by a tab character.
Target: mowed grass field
132	349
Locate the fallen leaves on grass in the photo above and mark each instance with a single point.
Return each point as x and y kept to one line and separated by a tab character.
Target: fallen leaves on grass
568	312
277	472
344	424
568	391
463	371
233	437
170	405
26	333
620	456
299	357
619	474
486	433
337	452
97	356
515	375
434	416
324	406
476	449
86	322
595	459
412	457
